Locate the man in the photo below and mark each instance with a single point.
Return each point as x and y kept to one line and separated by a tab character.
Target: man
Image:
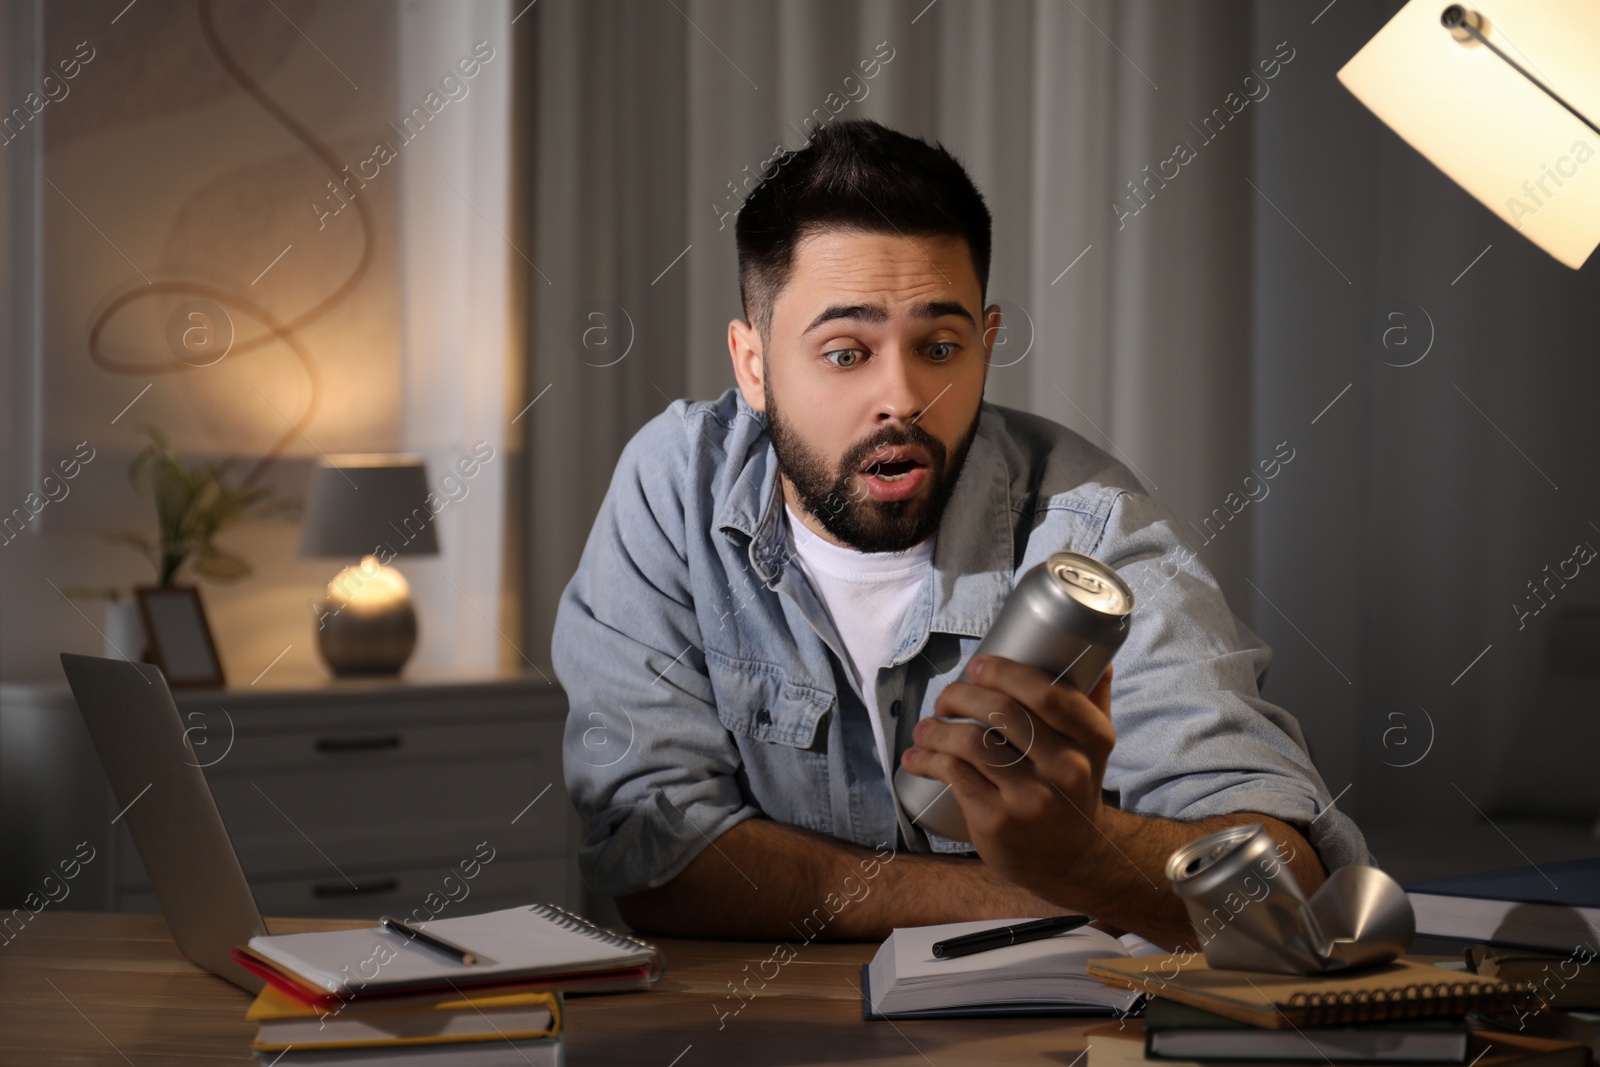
782	585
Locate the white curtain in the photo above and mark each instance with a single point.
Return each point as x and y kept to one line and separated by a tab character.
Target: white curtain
643	114
457	326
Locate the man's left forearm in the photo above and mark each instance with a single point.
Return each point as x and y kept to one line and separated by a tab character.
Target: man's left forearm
1124	881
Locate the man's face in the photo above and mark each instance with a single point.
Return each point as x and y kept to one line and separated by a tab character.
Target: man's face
871	380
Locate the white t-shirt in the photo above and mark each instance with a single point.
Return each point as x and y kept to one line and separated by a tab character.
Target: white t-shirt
866	595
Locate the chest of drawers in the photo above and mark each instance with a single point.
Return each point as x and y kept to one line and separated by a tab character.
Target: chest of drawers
341	798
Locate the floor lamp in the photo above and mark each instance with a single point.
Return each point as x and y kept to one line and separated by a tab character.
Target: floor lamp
1504	98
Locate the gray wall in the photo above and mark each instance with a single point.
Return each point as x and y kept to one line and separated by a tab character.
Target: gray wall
1425	499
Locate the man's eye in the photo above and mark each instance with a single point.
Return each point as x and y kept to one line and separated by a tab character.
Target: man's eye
848	357
943	351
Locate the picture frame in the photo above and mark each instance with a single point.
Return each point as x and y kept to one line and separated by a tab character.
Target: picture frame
178	637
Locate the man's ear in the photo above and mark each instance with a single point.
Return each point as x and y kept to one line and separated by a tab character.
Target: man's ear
992	325
744	346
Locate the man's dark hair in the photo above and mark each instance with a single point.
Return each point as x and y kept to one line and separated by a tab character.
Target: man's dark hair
853	175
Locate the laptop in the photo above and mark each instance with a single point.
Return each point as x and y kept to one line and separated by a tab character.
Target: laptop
162	795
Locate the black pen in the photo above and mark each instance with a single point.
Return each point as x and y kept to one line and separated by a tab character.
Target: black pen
984	940
406	930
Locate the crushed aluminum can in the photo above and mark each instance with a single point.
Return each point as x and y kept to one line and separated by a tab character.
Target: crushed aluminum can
1250	913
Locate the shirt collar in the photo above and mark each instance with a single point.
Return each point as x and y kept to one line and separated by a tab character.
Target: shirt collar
972	561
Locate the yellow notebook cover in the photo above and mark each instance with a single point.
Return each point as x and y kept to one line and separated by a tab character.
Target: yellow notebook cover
286	1021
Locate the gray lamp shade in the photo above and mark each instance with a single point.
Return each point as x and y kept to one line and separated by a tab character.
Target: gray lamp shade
369	505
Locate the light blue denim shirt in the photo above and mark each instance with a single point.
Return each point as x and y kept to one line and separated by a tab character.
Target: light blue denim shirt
707	682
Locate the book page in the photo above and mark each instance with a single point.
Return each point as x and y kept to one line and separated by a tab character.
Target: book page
1066	953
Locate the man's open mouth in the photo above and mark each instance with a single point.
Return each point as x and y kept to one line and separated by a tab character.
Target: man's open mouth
893	464
893	472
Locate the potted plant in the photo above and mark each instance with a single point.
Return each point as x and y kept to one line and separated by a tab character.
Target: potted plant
193	505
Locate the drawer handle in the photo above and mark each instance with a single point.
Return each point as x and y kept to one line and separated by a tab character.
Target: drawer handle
344	889
358	744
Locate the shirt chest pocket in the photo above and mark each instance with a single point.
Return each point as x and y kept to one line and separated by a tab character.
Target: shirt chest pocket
781	730
756	700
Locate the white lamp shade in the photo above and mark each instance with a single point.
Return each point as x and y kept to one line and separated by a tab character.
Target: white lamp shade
1496	134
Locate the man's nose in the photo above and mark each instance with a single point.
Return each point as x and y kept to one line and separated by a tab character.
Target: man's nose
899	393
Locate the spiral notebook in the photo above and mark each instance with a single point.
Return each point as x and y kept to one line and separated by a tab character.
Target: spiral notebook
536	942
1400	990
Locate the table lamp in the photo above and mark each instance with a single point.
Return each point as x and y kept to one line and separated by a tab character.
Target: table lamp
1503	98
370	508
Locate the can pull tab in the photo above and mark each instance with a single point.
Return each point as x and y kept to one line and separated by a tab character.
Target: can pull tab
1080	578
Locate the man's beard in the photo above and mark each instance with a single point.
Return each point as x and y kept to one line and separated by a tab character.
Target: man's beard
853	516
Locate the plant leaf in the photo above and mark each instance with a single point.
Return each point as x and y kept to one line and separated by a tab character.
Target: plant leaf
192	504
220	566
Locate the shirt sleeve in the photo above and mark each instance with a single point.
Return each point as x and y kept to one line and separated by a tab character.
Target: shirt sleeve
1194	736
647	762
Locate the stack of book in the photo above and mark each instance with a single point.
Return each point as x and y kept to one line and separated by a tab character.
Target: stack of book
1554	906
1565	981
1539	925
1403	1012
476	990
512	1028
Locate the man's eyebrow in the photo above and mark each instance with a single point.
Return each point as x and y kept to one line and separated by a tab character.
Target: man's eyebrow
938	309
860	312
933	309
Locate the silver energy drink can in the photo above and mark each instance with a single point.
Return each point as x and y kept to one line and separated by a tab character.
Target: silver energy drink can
1067	616
1244	903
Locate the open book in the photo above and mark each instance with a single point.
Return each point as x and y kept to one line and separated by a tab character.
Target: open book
1047	977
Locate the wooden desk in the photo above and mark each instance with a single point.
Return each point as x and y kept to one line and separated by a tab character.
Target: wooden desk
102	988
